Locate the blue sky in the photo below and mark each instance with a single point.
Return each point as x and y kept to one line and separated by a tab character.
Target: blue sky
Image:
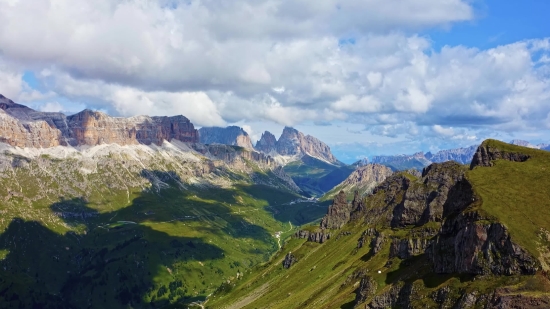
367	77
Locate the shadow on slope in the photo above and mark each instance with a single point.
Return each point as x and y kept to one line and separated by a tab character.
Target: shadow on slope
154	252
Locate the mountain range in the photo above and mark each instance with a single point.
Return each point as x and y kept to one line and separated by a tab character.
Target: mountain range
149	212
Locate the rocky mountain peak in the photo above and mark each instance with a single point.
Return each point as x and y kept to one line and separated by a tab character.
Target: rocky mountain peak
267	143
231	135
293	142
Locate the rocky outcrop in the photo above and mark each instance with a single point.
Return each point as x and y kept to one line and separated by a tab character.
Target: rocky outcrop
313	236
294	143
367	288
398	296
470	243
487	152
338	213
289	260
504	299
408	247
231	135
267	143
25	127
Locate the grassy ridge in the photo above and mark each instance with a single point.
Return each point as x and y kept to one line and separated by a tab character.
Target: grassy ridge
517	193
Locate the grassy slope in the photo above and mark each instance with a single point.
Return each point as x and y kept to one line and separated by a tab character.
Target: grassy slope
514	193
517	193
136	247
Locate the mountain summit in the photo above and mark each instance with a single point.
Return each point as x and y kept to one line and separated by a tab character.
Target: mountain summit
294	143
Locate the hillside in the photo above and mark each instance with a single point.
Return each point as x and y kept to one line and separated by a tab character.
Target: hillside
128	212
457	237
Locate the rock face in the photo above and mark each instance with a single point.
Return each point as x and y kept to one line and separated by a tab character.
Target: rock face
486	153
338	213
315	236
267	143
293	142
289	260
460	155
467	244
24	127
231	135
367	288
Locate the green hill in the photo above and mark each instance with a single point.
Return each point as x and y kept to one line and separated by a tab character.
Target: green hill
454	238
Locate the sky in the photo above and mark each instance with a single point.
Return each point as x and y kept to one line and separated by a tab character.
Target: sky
368	77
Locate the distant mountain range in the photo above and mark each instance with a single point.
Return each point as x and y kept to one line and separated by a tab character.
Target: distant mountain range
291	145
420	160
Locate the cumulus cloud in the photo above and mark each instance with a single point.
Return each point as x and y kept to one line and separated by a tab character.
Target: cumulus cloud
283	61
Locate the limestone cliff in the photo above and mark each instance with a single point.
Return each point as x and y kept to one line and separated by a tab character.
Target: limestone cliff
267	143
25	127
294	143
231	135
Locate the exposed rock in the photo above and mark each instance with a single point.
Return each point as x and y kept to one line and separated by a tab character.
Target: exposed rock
367	288
469	244
293	142
377	242
368	234
429	200
315	236
486	153
231	135
338	213
467	300
24	127
398	296
409	247
289	260
507	300
267	143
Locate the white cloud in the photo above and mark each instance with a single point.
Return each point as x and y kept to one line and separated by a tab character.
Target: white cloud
446	132
282	61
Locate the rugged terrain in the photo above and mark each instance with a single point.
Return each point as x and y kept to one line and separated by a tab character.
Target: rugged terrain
106	212
456	237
